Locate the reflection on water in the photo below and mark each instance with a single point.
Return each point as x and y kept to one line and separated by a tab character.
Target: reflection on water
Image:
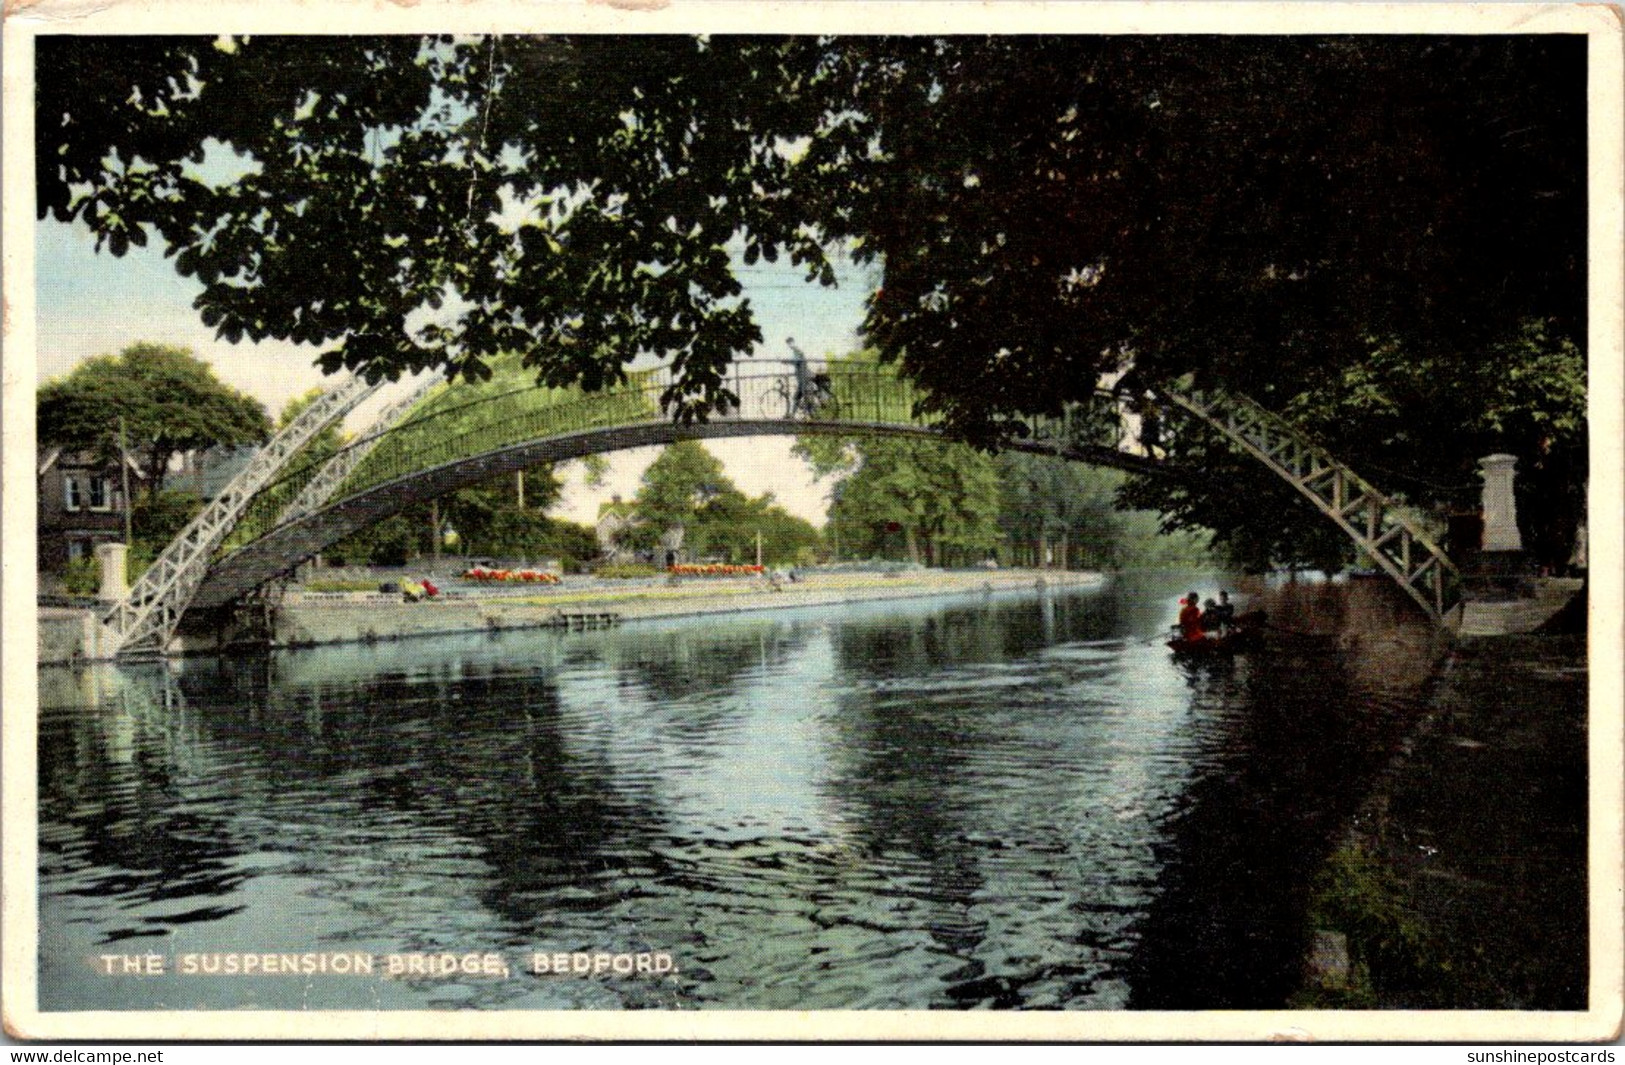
1009	801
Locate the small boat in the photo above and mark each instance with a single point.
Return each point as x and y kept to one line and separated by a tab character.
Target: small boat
1237	641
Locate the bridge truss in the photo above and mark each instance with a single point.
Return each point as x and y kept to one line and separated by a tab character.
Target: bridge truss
1378	525
144	621
280	511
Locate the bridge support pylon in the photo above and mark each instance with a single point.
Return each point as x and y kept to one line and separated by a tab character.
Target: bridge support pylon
144	621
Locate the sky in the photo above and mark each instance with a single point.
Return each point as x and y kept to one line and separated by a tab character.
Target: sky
94	304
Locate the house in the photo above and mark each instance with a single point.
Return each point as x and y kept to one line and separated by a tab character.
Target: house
81	504
616	519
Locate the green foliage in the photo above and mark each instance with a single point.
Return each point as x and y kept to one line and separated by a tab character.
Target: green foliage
686	486
1041	204
1390	949
1413	423
596	470
155	521
531	535
922	500
728	528
1258	521
626	571
395	541
1250	210
1071	510
1424	421
573	544
1142	543
82	576
169	401
488	522
676	487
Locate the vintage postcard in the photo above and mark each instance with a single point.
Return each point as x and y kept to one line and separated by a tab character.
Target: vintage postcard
812	521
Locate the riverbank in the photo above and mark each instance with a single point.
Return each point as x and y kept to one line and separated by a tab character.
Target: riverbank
306	620
1463	882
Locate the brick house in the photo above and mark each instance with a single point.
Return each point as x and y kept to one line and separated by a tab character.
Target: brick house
81	504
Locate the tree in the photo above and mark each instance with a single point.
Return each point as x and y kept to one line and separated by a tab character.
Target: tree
595	470
676	487
487	518
1071	510
1251	210
1058	506
732	524
686	486
169	401
1213	202
938	502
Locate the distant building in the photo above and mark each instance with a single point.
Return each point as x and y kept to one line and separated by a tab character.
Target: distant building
206	473
81	504
616	519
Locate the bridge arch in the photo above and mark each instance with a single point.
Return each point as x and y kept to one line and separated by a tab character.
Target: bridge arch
436	445
276	553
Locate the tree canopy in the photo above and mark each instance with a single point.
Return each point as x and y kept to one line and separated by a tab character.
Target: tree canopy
1263	212
937	502
1040	204
169	401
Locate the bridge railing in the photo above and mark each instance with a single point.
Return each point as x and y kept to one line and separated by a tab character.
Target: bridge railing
457	423
446	428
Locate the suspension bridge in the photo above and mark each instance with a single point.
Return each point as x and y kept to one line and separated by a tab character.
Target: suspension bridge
291	502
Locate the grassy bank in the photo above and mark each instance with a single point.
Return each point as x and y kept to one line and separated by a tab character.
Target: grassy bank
1463	883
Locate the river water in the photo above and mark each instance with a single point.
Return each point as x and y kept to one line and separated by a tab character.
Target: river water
1018	800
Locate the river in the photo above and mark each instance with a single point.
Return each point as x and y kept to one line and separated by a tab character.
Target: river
1017	800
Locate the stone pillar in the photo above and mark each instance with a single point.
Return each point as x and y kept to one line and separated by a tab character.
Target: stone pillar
114	586
1500	507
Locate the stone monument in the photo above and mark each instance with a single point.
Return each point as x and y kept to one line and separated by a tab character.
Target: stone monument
1502	568
1500	506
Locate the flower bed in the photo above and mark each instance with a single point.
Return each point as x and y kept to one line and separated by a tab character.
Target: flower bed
482	575
715	569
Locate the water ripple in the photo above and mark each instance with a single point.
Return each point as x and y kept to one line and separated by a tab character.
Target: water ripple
985	803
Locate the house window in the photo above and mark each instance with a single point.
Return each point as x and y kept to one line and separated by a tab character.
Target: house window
76	550
100	497
72	498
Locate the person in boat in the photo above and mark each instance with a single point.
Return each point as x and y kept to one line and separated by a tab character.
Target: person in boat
1210	616
1190	620
1224	614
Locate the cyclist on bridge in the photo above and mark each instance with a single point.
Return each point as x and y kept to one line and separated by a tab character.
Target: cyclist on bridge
811	389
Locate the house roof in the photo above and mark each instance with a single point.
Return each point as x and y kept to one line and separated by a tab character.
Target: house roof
60	456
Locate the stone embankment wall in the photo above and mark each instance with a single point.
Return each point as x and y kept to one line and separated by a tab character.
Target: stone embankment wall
67	635
303	621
